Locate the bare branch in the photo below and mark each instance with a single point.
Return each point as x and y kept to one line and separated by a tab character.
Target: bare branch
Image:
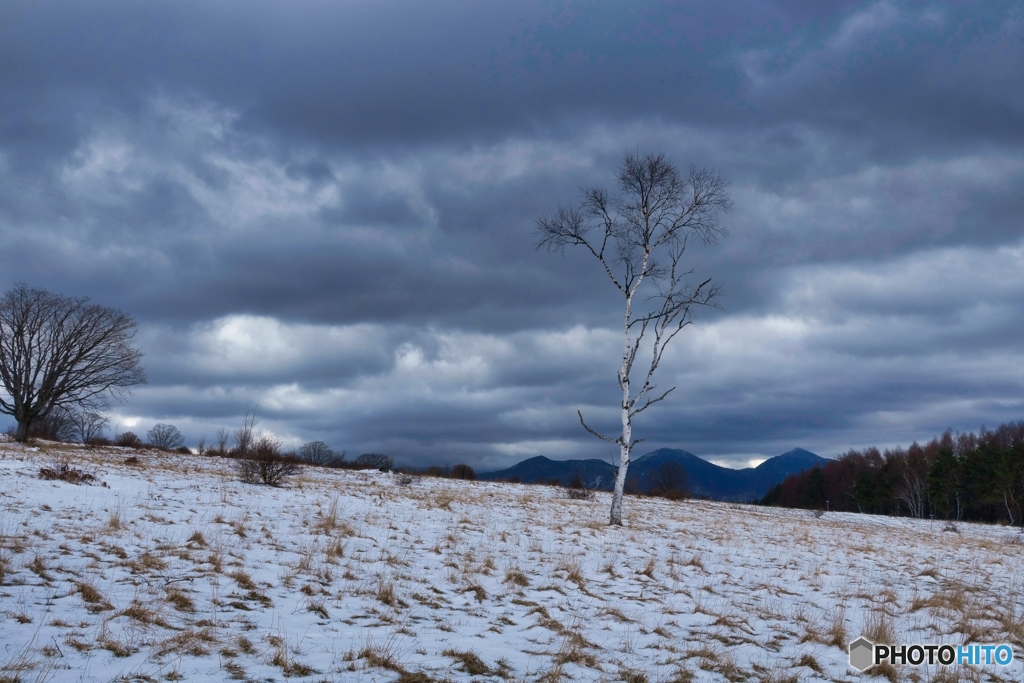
597	434
651	401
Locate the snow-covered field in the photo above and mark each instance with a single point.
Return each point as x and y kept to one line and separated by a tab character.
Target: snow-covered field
174	570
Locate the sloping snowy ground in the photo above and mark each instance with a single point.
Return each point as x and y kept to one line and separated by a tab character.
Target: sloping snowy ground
174	570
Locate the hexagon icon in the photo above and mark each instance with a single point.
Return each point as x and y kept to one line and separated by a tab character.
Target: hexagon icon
861	653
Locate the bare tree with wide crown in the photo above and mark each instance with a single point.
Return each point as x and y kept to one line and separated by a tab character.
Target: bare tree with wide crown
60	352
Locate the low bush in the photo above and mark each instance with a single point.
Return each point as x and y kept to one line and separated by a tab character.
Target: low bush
579	494
264	463
374	461
577	489
128	440
464	472
61	469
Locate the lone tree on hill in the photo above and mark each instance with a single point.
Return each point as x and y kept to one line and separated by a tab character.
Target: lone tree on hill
165	436
319	453
639	235
59	352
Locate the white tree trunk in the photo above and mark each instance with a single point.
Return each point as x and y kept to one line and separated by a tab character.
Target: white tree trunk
620	484
625	441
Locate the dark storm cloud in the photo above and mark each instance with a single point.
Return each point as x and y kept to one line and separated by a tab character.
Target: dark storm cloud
367	74
329	208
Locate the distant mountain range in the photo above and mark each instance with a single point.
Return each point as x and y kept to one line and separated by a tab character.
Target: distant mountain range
704	479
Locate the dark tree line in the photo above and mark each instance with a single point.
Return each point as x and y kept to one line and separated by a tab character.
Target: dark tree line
976	477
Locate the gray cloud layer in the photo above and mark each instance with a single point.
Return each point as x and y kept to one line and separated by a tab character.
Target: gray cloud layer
328	208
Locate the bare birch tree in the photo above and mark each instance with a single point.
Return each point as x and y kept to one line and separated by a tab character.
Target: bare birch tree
639	236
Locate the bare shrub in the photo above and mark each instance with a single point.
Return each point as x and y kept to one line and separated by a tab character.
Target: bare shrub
60	469
577	489
264	463
374	461
128	440
670	480
244	436
223	437
462	471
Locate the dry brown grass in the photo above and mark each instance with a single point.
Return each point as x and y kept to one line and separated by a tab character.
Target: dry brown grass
180	601
516	577
382	655
143	614
38	567
318	606
633	676
119	648
573	568
93	598
385	591
878	629
441	500
471	662
243	580
191	641
330	519
477	590
575	649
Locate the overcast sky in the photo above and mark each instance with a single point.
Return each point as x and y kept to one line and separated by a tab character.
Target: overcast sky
328	208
